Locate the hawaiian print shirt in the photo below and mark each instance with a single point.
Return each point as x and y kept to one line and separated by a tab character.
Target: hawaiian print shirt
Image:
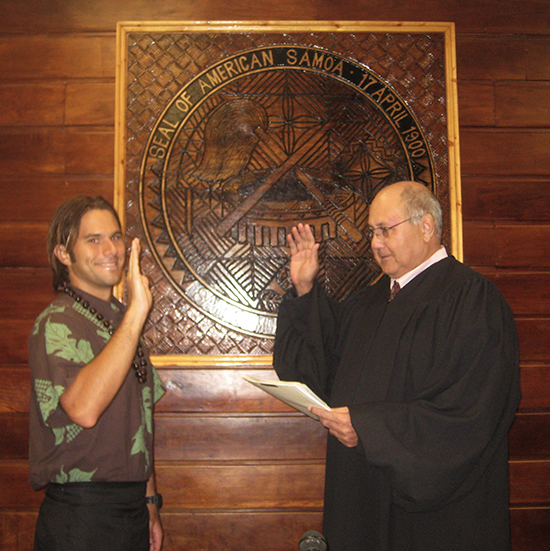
119	448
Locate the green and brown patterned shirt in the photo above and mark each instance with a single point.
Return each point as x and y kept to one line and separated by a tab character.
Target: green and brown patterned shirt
119	448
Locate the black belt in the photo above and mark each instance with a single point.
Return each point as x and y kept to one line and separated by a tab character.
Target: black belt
97	492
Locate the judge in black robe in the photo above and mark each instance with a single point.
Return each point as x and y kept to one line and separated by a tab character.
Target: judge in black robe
429	383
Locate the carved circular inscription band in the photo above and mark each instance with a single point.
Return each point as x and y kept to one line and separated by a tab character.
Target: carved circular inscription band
255	143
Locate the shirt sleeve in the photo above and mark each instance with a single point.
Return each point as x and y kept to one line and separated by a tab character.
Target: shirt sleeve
56	355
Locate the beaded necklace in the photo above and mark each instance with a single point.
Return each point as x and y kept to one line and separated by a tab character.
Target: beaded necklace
139	364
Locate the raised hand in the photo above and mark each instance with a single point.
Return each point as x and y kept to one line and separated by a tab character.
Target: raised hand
139	294
304	260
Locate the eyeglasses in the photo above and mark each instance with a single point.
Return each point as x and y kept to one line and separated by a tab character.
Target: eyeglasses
384	233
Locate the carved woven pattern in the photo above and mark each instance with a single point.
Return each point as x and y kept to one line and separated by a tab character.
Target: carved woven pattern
159	65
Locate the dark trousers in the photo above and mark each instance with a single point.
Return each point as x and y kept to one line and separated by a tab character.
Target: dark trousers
92	516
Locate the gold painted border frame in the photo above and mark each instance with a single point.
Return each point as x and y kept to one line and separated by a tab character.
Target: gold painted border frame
124	29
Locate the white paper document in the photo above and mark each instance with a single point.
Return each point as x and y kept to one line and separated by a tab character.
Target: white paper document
297	395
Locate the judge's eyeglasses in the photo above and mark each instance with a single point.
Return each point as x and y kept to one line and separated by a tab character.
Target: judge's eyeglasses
383	233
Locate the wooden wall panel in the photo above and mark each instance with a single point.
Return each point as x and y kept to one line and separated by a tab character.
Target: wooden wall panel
40	104
476	103
32	56
505	151
506	198
22	244
195	486
522	104
530	482
239	438
36	198
227	485
526	292
492	58
32	151
90	103
530	529
101	15
506	246
260	438
263	530
535	381
268	531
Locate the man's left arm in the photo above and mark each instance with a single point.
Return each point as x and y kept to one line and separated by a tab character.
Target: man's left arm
155	526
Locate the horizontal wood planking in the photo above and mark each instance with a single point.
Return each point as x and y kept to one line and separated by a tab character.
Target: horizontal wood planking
57	56
30	152
92	56
206	438
506	245
530	482
101	15
17	530
530	529
522	104
500	152
23	245
504	104
264	530
35	198
476	104
503	245
25	293
526	292
189	486
90	103
32	104
535	382
219	391
501	198
529	436
57	151
534	339
257	485
213	390
502	57
268	531
533	336
262	437
90	151
14	342
494	72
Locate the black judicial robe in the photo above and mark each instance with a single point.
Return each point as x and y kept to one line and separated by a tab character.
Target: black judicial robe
432	383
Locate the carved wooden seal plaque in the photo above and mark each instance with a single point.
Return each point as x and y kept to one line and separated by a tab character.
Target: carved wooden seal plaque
257	135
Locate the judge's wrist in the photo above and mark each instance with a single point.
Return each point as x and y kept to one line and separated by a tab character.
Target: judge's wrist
303	289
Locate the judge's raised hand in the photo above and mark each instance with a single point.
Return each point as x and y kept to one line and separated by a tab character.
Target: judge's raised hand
338	423
140	299
304	260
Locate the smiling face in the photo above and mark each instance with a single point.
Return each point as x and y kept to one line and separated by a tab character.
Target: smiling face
408	245
97	260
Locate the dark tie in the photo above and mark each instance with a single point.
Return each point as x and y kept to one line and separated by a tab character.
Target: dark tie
394	290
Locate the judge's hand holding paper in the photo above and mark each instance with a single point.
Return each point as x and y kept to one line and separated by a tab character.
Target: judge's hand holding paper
302	398
338	422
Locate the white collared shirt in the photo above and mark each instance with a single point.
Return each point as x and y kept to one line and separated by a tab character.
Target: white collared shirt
409	276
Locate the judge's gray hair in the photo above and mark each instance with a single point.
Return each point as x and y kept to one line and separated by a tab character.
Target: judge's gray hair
419	201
